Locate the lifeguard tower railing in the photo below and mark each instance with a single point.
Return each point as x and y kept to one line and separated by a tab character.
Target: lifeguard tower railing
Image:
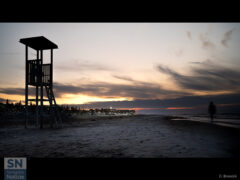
39	75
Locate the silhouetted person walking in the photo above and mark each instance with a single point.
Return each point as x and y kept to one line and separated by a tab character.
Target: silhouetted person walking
212	110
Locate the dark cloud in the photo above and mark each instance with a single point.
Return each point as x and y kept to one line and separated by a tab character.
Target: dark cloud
206	43
227	37
189	35
206	76
138	90
199	103
125	78
14	91
18	91
195	62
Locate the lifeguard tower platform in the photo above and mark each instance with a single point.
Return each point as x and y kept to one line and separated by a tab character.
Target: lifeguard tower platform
40	76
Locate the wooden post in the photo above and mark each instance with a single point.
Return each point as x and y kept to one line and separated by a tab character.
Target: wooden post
41	85
26	88
51	70
37	65
51	85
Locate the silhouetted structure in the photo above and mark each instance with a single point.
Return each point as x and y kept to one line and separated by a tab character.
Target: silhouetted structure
212	110
40	75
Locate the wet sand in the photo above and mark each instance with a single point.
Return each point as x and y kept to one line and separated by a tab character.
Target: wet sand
140	136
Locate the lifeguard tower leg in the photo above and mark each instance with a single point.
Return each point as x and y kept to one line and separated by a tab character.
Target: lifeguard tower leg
41	125
26	90
37	111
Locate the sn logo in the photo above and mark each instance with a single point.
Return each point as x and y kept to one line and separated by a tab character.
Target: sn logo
14	163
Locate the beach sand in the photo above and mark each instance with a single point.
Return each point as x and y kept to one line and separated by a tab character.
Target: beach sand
139	136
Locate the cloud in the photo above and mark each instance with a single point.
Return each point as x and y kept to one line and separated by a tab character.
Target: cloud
206	43
152	101
135	90
206	76
81	65
13	91
18	91
227	37
191	103
195	62
125	78
138	90
207	62
189	35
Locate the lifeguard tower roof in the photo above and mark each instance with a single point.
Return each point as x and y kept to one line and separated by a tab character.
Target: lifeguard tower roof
38	43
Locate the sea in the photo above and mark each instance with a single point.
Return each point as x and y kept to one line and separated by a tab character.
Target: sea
221	119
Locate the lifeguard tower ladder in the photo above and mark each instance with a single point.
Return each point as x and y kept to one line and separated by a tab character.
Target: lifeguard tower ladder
40	75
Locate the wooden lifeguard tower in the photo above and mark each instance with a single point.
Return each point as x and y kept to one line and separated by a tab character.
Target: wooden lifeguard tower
40	75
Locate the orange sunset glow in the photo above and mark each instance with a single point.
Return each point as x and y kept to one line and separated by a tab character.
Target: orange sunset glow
176	108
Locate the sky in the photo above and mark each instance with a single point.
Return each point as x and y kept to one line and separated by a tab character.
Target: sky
157	66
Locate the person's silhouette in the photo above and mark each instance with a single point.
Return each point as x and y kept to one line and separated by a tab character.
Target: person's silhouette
212	110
